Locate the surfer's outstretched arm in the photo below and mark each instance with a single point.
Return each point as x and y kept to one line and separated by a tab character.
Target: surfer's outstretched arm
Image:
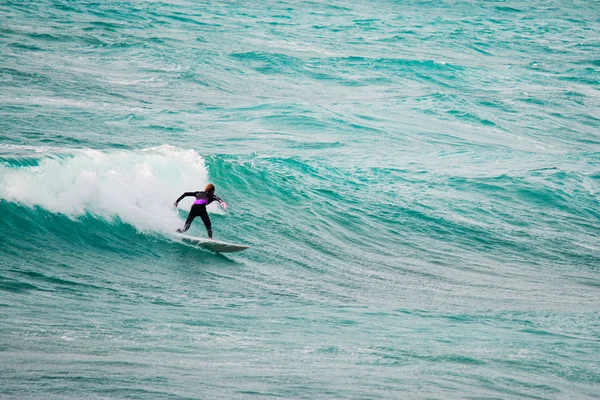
221	202
184	195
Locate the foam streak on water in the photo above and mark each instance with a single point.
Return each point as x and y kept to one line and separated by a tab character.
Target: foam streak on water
419	183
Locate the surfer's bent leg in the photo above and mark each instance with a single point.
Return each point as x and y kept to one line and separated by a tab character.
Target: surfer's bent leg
188	222
206	220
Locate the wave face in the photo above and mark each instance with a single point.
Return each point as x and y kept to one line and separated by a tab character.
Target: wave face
418	183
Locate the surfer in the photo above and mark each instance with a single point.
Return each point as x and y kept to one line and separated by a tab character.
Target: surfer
199	207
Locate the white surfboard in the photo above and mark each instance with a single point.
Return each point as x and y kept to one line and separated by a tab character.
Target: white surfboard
214	245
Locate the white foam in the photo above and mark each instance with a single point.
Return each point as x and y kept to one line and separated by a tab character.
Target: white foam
139	187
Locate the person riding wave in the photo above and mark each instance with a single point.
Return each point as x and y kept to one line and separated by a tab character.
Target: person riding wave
203	198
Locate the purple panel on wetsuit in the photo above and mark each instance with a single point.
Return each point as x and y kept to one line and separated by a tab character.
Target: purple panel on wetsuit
201	201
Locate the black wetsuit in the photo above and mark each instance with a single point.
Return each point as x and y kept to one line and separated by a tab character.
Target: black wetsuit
199	209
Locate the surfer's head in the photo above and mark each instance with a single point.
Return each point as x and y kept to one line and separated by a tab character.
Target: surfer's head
210	188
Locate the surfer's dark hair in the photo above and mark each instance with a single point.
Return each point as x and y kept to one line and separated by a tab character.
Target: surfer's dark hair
209	188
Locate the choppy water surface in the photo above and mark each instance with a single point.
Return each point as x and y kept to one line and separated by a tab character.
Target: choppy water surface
418	182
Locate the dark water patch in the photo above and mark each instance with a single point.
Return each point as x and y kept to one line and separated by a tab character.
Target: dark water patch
189	20
130	117
126	12
583	257
479	50
64	6
172	129
405	356
25	46
365	21
270	63
301	121
260	393
591	283
195	322
470	117
277	23
507	9
123	44
588	45
15	286
164	41
371	24
326	27
58	140
46	37
561	370
527	385
361	128
162	302
386	63
120	388
586	80
316	145
454	359
543	333
589	120
18	162
7	31
57	283
336	7
94	41
541	197
191	76
24	77
496	104
106	25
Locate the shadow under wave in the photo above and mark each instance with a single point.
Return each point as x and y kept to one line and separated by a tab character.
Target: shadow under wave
37	230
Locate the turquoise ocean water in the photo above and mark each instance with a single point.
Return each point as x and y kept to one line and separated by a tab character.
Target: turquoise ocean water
419	182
